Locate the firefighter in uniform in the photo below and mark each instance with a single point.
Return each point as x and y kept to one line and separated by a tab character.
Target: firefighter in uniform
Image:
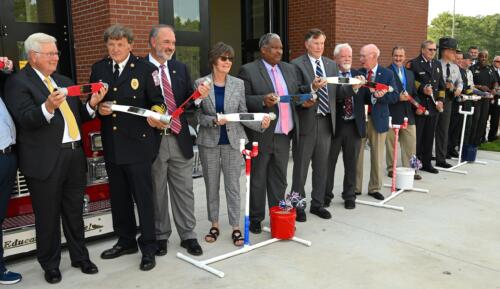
130	143
430	89
486	81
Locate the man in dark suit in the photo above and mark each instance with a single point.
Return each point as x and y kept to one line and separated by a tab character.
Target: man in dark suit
378	118
173	166
405	83
350	128
8	167
495	108
265	80
130	144
50	153
430	87
317	121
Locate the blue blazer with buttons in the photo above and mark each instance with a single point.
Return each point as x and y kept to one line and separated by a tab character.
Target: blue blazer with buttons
380	110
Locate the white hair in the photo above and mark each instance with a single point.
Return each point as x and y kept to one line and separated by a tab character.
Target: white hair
372	47
341	46
32	43
496	58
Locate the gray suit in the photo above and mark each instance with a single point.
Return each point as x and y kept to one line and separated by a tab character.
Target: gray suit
316	133
269	168
215	156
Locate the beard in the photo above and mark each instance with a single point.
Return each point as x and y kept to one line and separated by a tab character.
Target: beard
346	66
163	55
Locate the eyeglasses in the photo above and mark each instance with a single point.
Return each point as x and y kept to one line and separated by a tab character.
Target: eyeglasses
50	54
226	58
497	61
431	49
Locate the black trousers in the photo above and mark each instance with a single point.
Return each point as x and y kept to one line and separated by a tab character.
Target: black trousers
483	110
129	183
455	130
60	196
8	169
268	177
494	118
347	139
442	128
426	126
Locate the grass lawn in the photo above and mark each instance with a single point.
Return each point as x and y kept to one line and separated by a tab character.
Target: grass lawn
491	146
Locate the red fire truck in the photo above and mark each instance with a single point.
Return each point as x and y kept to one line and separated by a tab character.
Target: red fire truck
19	225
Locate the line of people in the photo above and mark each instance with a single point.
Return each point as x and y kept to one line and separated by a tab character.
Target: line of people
149	163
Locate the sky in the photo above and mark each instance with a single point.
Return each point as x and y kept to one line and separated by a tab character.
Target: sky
464	7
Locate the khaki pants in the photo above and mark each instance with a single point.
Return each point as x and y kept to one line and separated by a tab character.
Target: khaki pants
408	144
377	143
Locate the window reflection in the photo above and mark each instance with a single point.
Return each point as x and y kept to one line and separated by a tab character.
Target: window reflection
189	55
187	15
34	11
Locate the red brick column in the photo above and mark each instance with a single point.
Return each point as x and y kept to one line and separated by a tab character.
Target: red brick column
92	17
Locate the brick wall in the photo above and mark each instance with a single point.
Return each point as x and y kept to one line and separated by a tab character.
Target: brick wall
92	17
384	23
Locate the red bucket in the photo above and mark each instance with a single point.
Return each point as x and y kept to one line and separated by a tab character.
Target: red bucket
282	223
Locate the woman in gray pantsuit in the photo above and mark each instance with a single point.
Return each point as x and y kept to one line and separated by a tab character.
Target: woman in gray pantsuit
218	141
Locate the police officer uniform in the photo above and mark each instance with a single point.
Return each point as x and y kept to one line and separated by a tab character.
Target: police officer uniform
427	72
451	74
485	76
130	146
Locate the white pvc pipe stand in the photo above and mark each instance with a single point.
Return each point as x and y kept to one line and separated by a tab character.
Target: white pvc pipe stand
245	249
394	194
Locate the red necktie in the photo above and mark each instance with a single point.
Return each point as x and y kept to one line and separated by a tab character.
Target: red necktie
175	124
369	78
284	107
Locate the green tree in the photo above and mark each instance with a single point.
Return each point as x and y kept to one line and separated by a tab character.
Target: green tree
482	31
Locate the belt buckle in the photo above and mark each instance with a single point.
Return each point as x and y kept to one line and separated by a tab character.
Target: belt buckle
73	145
167	131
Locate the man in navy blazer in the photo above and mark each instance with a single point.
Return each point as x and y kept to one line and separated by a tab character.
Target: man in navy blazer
405	82
378	118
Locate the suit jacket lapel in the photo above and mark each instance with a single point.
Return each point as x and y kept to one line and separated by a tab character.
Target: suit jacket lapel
398	80
30	72
265	75
286	76
310	69
227	92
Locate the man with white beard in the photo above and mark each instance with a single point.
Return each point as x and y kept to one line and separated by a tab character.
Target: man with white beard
350	128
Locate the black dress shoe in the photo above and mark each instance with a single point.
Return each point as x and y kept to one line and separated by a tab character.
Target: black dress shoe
376	195
53	276
417	177
300	215
430	169
326	203
389	174
86	266
162	248
148	262
255	227
118	251
357	193
349	204
443	165
192	247
321	212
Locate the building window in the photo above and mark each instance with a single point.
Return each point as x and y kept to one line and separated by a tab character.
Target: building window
189	55
34	11
187	15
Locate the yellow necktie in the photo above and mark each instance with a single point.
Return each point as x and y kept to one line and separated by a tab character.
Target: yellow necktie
66	112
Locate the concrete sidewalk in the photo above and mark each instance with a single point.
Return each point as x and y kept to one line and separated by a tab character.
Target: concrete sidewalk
449	238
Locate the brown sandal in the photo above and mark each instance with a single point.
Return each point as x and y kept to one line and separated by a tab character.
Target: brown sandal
237	238
213	234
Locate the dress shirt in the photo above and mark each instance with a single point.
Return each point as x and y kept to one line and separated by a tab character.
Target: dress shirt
7	127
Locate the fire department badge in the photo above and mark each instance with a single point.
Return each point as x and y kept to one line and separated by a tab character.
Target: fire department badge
134	83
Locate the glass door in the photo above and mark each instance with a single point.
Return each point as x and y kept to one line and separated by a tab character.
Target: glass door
21	18
259	17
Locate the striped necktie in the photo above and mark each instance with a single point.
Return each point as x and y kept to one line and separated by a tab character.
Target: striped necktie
68	115
323	105
175	124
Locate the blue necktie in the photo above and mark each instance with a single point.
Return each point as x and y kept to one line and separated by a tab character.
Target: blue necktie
323	106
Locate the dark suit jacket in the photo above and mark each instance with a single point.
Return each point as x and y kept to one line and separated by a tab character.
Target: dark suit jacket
359	98
257	85
402	109
38	142
380	110
128	138
306	74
